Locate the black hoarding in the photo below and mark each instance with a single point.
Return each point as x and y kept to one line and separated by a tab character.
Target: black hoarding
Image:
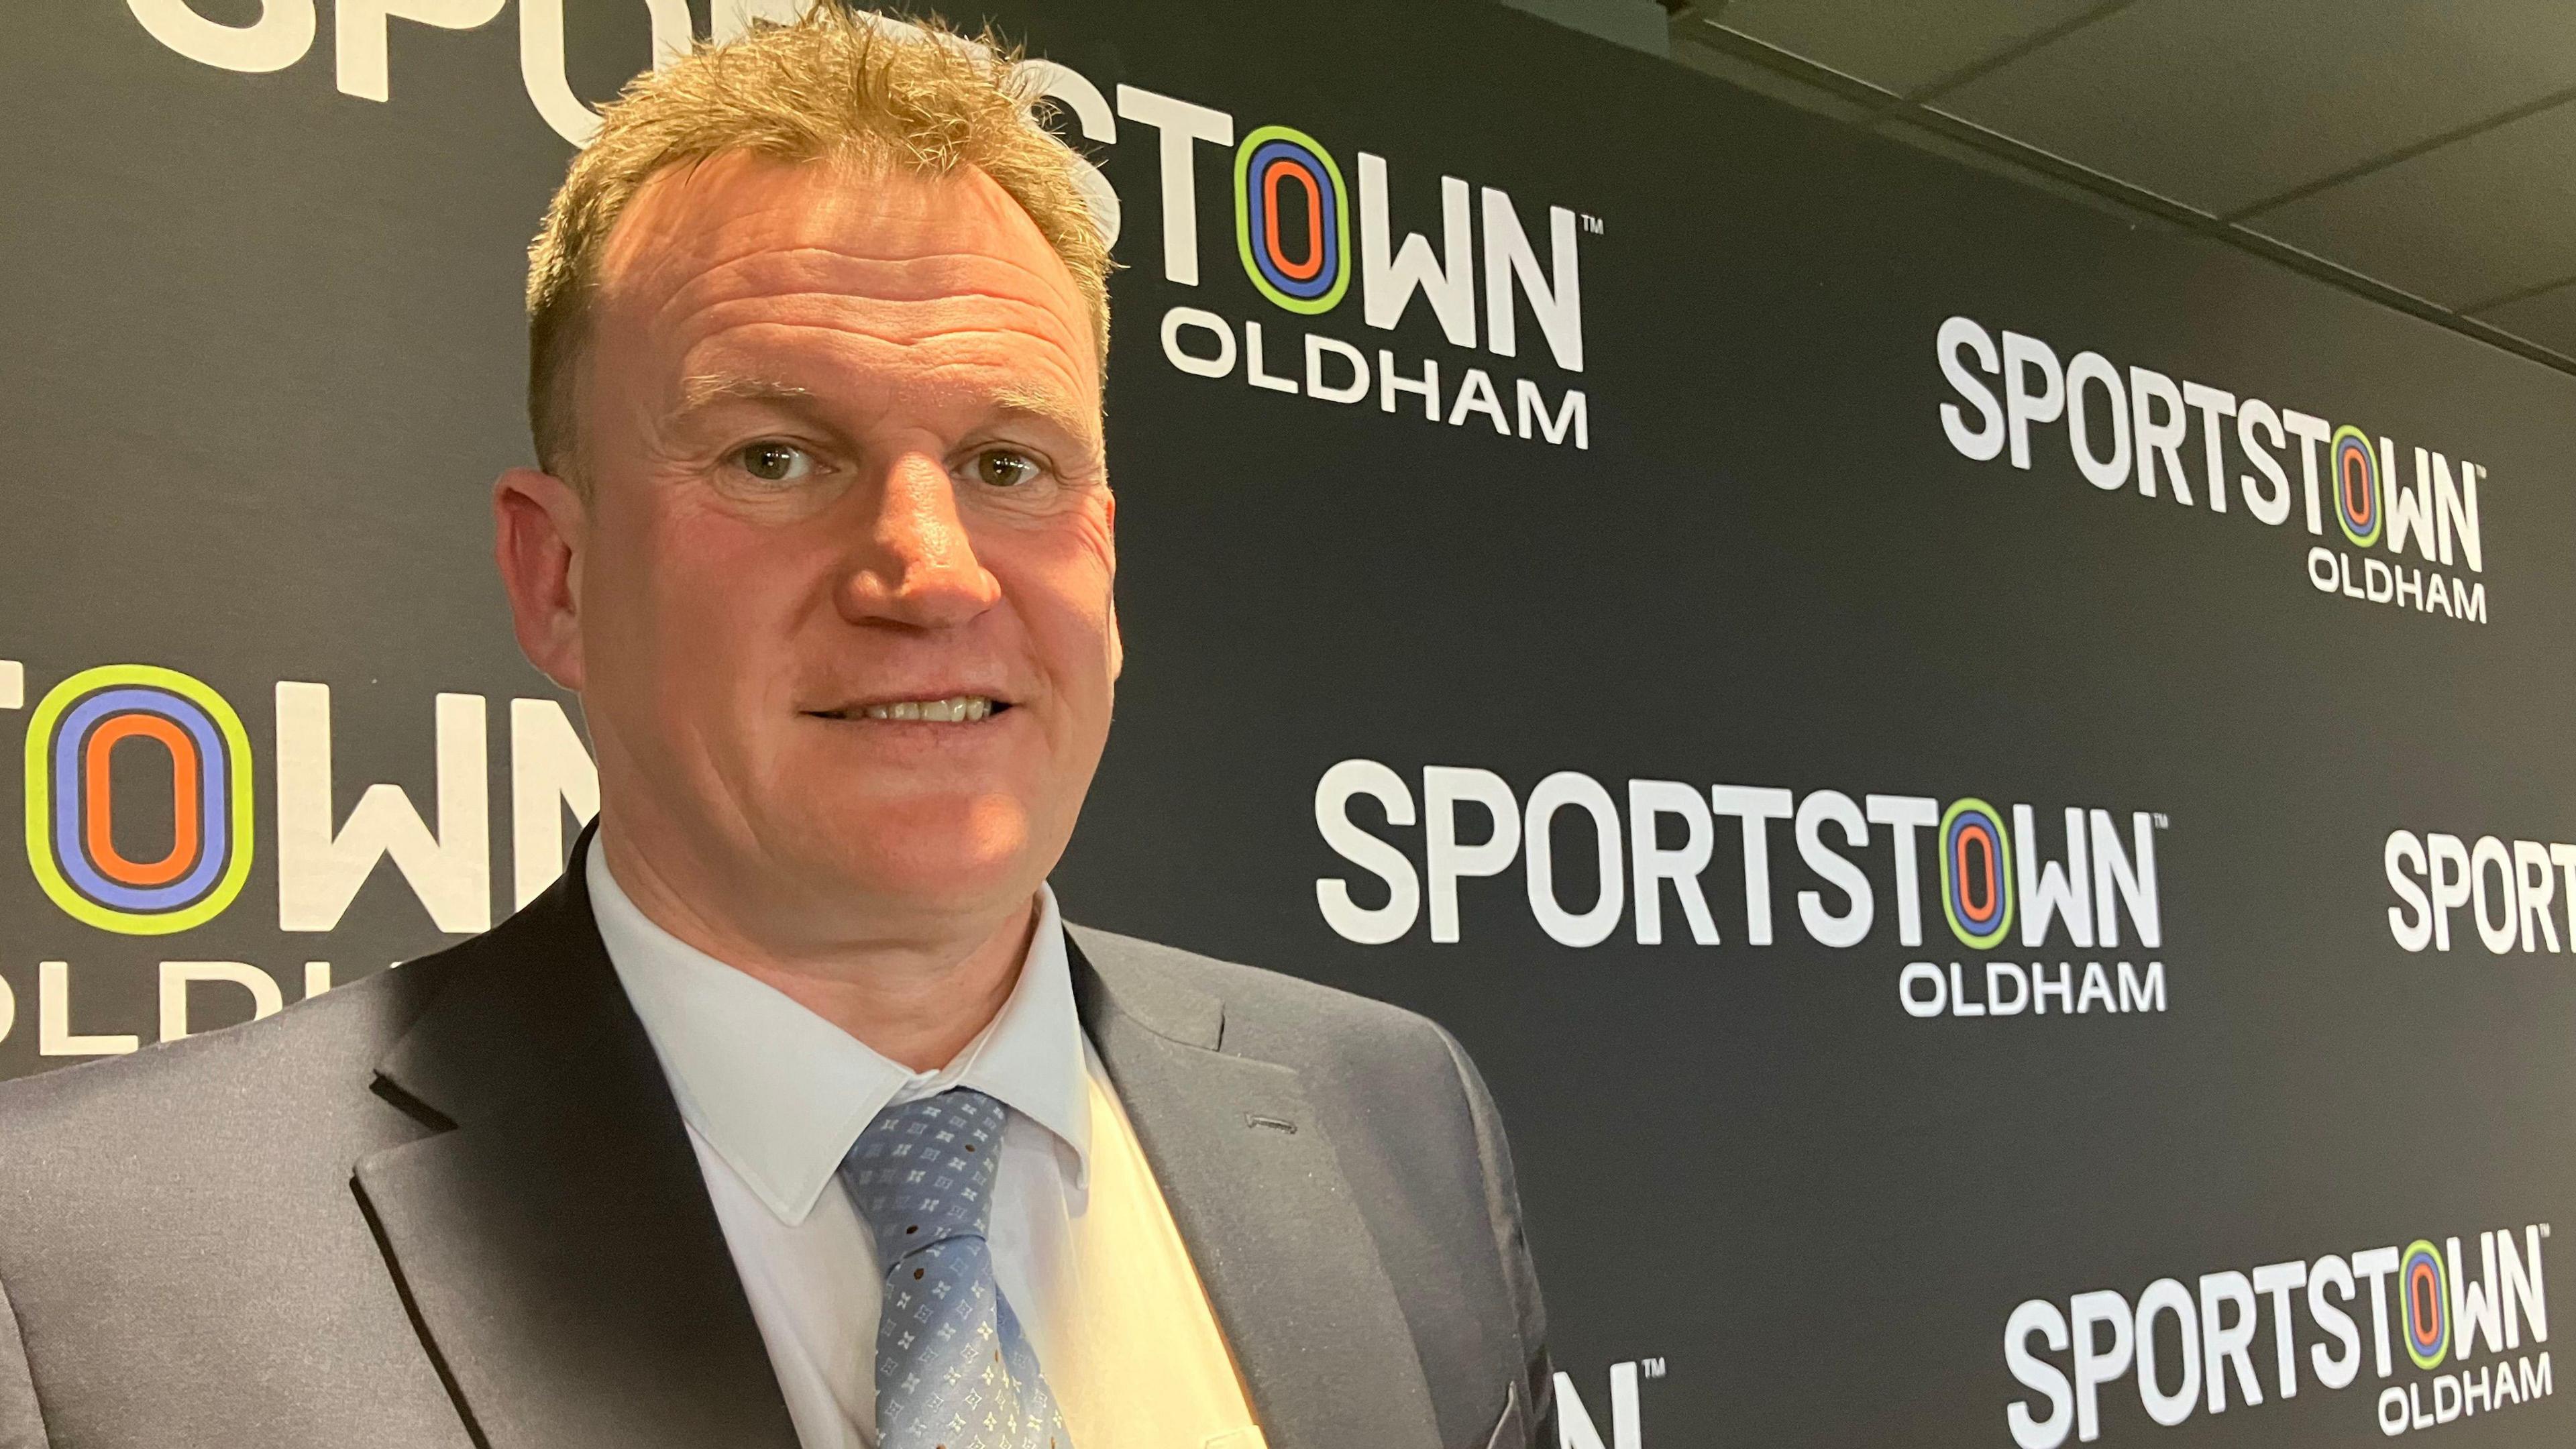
1985	782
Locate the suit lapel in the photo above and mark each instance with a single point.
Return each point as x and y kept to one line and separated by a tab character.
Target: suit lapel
1260	1199
556	1247
561	1261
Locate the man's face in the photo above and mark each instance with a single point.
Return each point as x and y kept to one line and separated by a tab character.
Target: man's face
846	640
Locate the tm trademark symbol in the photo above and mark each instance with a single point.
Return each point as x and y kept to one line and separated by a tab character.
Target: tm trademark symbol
1592	224
2163	820
1653	1368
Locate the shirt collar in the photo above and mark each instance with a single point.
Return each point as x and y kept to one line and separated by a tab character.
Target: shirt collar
780	1094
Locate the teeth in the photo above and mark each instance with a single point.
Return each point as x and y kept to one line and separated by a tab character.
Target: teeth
957	709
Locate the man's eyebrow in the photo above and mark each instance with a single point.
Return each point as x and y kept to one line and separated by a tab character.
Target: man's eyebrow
708	389
1047	407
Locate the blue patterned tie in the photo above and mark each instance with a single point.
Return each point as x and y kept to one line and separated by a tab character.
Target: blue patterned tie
954	1371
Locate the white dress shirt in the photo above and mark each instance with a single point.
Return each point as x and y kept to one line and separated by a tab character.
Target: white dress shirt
1083	1246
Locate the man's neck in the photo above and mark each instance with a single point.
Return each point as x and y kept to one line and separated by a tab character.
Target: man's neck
915	997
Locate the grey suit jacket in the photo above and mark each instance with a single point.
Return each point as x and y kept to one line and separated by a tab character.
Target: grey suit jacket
453	1205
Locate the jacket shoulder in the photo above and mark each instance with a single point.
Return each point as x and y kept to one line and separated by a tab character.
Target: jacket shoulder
290	1062
301	1060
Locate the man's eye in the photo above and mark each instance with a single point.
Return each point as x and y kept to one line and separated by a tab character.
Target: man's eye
1005	468
775	462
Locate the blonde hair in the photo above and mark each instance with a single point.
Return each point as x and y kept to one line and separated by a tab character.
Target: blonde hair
833	85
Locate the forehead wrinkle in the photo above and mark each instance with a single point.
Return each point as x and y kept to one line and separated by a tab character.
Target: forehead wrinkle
1051	277
717	300
703	388
815	256
830	339
819	256
819	337
1040	403
1011	391
920	281
702	233
939	340
907	321
842	381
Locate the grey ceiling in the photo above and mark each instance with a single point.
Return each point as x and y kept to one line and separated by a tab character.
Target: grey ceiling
2423	151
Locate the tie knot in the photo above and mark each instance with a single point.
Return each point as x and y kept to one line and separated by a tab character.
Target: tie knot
923	1171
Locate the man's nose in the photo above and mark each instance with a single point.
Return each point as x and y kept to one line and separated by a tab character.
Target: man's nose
916	564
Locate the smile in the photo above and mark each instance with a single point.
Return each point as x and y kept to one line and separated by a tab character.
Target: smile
955	709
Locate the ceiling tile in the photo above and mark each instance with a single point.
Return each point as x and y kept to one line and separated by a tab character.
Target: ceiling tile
1636	24
2483	216
2220	104
1692	51
1896	47
2548	318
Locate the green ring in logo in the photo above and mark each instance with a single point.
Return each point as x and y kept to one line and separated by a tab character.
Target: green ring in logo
1313	282
2357	485
2423	1284
1976	873
74	857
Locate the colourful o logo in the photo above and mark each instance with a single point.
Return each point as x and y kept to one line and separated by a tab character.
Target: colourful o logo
1976	873
99	878
2428	1305
2356	473
1291	219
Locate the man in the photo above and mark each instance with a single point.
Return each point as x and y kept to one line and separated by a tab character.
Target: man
793	1115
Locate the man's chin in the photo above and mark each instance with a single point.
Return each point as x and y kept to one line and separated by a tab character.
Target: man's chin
936	862
964	887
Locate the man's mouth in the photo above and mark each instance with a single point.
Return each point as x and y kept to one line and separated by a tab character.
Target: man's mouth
955	709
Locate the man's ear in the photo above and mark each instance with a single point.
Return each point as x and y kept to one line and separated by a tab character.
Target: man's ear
1117	645
540	527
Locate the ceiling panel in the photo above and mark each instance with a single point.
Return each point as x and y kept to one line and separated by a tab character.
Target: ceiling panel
1637	24
2221	104
2459	224
2548	318
1690	46
1899	48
